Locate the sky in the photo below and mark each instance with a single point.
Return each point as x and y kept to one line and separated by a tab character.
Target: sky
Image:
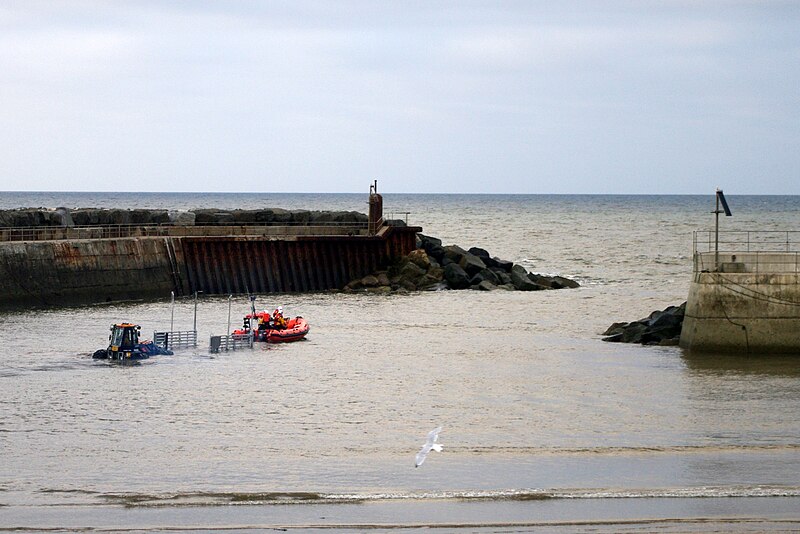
639	96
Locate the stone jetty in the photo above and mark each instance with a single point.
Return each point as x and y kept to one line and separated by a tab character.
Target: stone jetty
65	217
435	266
661	327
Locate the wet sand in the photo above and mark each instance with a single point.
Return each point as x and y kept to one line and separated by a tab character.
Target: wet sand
592	515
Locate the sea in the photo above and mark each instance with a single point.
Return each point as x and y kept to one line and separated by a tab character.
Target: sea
545	427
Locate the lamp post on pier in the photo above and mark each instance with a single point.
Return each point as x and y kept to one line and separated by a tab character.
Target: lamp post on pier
726	210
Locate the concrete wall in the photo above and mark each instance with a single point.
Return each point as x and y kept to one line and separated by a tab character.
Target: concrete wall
66	272
744	312
99	270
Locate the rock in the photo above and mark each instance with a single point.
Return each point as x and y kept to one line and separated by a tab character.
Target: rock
300	216
62	217
411	271
436	272
472	264
456	276
370	281
427	241
379	289
502	276
633	333
552	282
490	262
383	279
616	328
182	218
545	282
476	251
503	264
86	216
454	253
519	277
354	285
565	282
485	275
428	281
329	216
408	285
486	285
659	328
420	258
148	217
212	217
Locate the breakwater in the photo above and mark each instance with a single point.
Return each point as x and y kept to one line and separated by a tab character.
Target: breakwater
211	251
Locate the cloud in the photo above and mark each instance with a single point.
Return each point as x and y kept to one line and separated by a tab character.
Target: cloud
439	96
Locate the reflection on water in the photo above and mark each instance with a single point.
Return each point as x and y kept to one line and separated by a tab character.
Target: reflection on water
785	365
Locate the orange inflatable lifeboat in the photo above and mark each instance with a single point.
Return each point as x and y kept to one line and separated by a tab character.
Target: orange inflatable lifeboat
264	330
296	329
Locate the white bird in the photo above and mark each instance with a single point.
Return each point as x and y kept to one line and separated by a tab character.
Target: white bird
430	444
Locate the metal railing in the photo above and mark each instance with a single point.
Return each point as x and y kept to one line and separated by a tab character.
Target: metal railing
116	231
760	252
230	342
747	241
178	339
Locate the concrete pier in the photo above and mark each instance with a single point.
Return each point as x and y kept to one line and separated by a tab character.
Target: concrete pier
47	272
270	251
744	301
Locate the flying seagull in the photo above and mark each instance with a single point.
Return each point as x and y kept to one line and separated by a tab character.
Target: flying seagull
430	444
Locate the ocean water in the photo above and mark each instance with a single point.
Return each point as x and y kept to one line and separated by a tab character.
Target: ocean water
544	425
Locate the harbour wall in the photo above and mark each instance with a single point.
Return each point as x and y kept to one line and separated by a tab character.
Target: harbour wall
71	271
744	303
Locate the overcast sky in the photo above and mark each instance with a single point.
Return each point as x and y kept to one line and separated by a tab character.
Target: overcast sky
425	96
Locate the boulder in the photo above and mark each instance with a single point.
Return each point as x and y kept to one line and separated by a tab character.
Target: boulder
212	217
62	217
633	332
486	285
420	258
490	262
370	281
411	271
481	253
503	264
147	217
426	242
565	282
616	328
300	216
454	253
661	327
472	264
429	280
86	216
182	218
432	246
408	285
545	282
485	275
501	274
519	277
456	277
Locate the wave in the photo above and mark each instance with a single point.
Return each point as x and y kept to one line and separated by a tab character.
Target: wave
627	450
202	498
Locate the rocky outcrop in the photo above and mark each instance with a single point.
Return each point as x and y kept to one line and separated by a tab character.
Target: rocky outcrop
659	328
436	266
34	217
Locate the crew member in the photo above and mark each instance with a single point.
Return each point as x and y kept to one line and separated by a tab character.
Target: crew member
277	318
